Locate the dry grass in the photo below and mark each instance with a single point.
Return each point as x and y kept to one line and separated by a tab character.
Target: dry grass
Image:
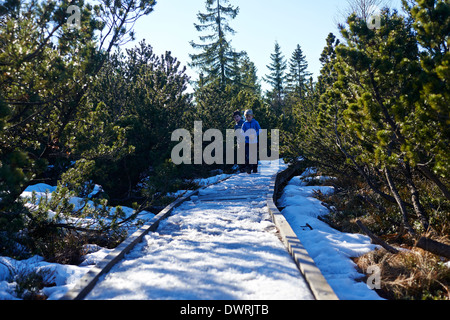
412	274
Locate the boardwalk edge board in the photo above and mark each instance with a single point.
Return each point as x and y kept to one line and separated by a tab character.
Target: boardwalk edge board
88	281
313	276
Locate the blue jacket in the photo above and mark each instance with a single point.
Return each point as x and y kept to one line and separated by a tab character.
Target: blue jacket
239	125
251	125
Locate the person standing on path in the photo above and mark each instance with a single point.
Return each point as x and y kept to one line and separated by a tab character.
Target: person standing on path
251	141
238	126
238	119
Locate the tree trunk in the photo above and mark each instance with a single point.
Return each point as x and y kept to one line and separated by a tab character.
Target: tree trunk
399	200
415	197
375	239
435	247
430	175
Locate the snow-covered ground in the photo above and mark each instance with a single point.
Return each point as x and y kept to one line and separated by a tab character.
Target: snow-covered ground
217	250
330	249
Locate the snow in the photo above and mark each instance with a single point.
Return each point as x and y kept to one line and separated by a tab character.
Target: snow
211	180
42	190
217	250
330	249
202	183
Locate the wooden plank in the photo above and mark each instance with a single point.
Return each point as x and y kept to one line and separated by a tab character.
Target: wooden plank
232	197
313	276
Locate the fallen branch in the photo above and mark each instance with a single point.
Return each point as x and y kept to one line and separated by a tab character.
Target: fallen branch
438	248
375	239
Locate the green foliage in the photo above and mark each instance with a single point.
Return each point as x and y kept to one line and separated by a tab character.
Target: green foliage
12	174
46	116
298	76
29	282
45	69
378	112
12	221
76	178
217	57
431	21
277	79
314	118
244	75
143	97
75	112
59	224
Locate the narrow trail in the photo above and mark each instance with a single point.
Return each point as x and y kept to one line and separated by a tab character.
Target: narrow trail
220	245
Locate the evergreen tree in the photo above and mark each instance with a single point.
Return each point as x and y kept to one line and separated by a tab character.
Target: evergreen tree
372	116
315	115
245	74
298	76
213	105
382	110
48	116
216	59
432	113
327	59
379	116
46	68
277	79
146	95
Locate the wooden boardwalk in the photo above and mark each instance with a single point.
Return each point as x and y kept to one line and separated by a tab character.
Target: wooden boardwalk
218	200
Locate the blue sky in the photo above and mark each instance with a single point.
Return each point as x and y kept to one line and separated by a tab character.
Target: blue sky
258	25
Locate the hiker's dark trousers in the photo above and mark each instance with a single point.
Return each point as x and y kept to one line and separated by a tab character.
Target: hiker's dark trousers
250	148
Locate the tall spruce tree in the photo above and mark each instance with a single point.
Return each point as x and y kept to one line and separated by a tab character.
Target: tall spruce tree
298	76
245	74
217	57
277	78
